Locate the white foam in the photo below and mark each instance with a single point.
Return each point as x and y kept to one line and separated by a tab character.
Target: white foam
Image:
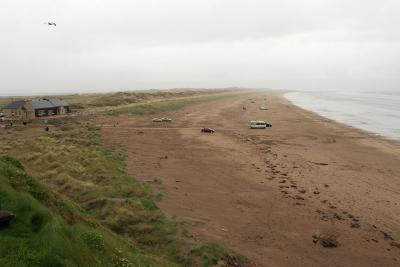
372	112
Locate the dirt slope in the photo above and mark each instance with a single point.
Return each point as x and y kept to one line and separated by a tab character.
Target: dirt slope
266	193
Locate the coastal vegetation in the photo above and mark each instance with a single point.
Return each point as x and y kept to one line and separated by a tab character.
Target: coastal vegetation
76	205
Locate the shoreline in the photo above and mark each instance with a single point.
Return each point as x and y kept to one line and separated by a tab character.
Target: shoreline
377	139
372	133
268	194
323	175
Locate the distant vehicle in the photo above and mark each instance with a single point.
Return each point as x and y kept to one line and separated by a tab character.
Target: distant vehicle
207	130
259	125
1	115
253	101
161	120
263	108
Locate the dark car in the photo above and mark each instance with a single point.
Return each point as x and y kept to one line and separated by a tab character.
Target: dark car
207	130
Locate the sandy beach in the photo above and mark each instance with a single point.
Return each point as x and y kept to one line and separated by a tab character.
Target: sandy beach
272	194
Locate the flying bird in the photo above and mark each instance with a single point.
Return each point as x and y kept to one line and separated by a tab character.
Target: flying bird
51	23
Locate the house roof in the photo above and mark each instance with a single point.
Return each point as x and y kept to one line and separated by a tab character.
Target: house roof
48	103
41	103
59	102
15	104
38	104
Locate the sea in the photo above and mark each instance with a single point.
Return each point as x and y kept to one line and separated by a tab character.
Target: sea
377	113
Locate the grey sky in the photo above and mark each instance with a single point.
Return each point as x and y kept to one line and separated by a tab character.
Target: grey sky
109	45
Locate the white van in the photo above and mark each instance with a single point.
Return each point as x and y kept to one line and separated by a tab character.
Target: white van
259	125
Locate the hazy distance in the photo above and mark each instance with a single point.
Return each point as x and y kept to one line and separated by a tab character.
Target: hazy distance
129	44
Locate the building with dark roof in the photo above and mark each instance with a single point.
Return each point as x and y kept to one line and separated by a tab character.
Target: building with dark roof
15	104
31	109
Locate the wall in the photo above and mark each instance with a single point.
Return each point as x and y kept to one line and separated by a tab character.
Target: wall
16	114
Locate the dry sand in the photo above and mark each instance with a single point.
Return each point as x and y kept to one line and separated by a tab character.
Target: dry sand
266	193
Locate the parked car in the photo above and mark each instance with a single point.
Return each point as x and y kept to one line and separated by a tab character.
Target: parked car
259	125
263	108
207	130
162	119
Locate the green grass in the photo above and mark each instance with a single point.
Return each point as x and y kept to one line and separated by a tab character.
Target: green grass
91	100
103	206
75	163
122	98
212	254
49	230
165	105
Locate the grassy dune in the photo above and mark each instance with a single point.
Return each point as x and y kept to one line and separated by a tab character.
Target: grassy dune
96	100
106	217
49	230
165	105
126	98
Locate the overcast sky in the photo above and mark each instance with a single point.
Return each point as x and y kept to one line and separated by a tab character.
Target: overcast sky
107	45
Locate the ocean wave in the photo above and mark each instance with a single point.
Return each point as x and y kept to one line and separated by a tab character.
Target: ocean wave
373	112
